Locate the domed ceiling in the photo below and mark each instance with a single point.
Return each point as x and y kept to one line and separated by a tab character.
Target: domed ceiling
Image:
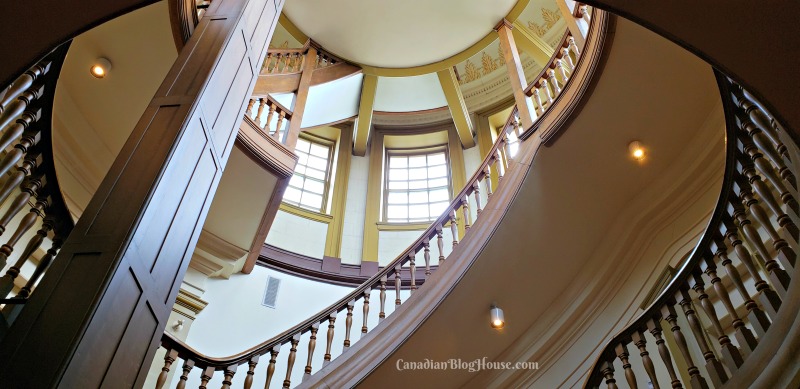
397	34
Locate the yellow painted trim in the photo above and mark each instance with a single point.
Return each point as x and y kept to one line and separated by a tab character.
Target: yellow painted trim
512	16
382	226
458	108
369	248
292	29
485	143
458	173
532	44
304	213
363	123
333	240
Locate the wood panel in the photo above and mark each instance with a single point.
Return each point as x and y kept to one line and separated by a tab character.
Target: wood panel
114	282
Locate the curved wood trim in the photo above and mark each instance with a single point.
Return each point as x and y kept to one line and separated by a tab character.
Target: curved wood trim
182	19
329	270
264	150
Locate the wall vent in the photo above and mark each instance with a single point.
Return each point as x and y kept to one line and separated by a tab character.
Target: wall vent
271	292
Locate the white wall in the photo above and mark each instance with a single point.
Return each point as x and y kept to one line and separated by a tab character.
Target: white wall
332	101
355	211
406	94
298	234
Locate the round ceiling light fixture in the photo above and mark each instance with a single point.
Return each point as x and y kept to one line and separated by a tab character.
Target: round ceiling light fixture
498	320
637	150
100	68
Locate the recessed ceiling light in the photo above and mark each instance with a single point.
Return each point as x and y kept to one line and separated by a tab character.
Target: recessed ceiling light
637	150
100	68
498	321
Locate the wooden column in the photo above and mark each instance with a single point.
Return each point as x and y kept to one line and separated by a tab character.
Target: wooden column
301	98
97	316
516	75
532	44
364	120
333	240
458	108
577	27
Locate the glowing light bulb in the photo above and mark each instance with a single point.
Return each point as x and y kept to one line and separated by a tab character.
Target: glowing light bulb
101	67
498	320
636	149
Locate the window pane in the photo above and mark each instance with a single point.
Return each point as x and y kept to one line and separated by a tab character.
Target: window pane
436	159
398	174
318	163
395	162
313	173
437	183
314	186
398	198
437	171
296	181
302	159
302	145
422	184
418	211
418	197
311	200
417	174
292	194
416	161
319	151
439	195
437	209
397	212
398	185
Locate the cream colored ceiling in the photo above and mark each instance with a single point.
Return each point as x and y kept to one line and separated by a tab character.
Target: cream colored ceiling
396	34
576	191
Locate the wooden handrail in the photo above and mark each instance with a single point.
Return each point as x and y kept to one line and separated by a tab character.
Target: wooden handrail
469	196
755	155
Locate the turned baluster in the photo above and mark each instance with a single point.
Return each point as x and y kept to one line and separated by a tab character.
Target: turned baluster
729	352
382	313
19	127
329	340
476	189
412	267
23	101
287	382
426	247
768	297
538	98
764	193
567	58
547	92
267	62
44	263
277	62
671	316
454	227
751	109
562	71
607	369
778	276
551	75
249	110
312	343
188	365
641	343
397	282
622	354
301	62
251	370
585	13
278	125
365	312
286	66
7	281
655	329
501	167
228	376
348	323
29	164
273	358
22	83
756	316
270	114
262	102
467	214
25	224
760	139
440	244
169	358
712	364
573	47
487	177
205	377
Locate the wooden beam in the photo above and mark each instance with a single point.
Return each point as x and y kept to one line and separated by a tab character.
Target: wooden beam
535	46
577	27
277	83
364	120
516	75
301	98
458	109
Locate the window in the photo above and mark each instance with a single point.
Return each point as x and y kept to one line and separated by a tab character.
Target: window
417	186
308	187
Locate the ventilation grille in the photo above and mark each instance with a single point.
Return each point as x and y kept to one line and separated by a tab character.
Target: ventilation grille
271	292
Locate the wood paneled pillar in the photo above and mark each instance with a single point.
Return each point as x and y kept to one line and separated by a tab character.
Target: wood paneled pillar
458	108
98	315
516	75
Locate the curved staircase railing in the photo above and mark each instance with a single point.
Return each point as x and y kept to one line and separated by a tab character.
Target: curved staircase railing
28	179
732	288
492	169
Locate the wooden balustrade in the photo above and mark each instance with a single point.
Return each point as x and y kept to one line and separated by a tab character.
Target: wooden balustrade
284	61
551	80
496	163
29	182
272	117
742	233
